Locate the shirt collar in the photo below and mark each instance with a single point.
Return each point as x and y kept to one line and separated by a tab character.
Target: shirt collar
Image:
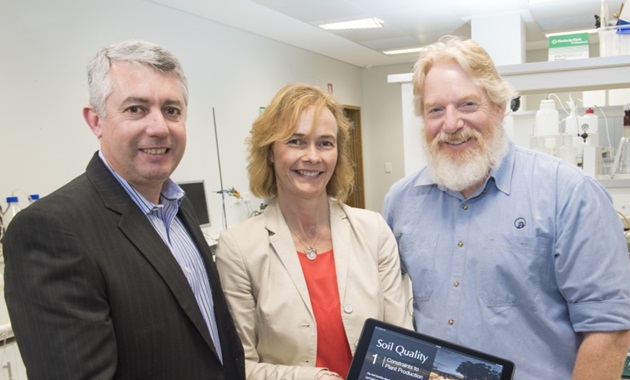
171	191
502	174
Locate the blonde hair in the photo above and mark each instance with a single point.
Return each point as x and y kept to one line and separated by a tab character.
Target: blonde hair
472	58
279	121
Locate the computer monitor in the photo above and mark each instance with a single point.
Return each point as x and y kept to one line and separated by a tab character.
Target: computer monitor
196	192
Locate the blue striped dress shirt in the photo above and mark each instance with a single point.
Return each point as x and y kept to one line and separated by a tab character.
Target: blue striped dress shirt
163	218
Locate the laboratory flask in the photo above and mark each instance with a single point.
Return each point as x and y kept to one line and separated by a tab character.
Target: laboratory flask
621	164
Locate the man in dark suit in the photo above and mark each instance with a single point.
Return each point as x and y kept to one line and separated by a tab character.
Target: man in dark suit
110	276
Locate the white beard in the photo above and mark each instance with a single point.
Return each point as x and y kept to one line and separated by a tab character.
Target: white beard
465	170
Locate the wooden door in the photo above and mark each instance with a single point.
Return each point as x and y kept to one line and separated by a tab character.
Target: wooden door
357	198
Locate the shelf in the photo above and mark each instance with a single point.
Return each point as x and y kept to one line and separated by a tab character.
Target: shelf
569	75
560	76
621	181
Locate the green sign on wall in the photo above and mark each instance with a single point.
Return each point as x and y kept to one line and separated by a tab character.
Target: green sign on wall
568	46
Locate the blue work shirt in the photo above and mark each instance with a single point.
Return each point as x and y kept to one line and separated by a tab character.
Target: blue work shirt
532	259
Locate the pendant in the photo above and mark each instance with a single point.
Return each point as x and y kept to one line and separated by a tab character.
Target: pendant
311	253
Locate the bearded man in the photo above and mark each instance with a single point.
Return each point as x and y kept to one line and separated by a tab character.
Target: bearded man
509	251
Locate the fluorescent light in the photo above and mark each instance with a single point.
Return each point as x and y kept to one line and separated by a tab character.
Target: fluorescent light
403	51
366	23
589	31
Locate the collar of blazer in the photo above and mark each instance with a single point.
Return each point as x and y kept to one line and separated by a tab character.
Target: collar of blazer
135	226
282	245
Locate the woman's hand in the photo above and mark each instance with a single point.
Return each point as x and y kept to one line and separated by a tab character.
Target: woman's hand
327	375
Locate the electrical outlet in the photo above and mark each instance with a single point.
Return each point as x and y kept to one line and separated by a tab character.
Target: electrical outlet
388	167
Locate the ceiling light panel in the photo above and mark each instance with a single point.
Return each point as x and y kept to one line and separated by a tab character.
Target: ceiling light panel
403	51
366	23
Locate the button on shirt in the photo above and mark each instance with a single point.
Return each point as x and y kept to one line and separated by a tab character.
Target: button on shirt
163	218
534	255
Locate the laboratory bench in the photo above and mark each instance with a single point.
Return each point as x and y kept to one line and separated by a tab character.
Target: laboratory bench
11	364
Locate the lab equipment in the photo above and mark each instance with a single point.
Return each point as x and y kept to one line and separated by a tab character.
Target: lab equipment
12	209
591	119
547	119
571	123
567	151
621	164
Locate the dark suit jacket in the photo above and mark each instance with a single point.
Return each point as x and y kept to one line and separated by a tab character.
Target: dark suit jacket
94	293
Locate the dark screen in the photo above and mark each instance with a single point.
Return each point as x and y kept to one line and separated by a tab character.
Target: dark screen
196	192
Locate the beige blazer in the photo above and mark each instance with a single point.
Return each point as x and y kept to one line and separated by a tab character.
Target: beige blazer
267	294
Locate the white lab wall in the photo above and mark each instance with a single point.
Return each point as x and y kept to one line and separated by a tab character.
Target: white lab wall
382	120
46	45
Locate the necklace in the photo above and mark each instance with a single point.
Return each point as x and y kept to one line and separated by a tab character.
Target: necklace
311	252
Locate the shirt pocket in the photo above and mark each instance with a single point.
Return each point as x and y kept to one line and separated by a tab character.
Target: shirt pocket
418	258
511	270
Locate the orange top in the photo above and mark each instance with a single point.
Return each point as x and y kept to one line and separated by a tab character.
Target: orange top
333	350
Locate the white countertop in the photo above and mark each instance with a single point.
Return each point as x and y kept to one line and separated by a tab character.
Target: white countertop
6	331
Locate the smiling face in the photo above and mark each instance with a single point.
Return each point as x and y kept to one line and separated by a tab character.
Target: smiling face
305	162
143	135
462	128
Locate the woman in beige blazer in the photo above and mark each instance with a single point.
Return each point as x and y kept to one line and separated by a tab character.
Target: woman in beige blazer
301	278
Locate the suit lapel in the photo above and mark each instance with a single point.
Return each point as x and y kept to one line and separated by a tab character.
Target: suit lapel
341	238
282	244
135	226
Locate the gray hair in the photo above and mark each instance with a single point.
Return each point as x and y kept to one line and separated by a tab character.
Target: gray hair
472	58
140	52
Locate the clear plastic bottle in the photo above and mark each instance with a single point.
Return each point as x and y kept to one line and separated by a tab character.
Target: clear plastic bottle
589	125
547	119
567	151
12	209
592	120
32	198
571	124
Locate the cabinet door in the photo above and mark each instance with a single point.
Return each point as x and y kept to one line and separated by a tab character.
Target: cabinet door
11	365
